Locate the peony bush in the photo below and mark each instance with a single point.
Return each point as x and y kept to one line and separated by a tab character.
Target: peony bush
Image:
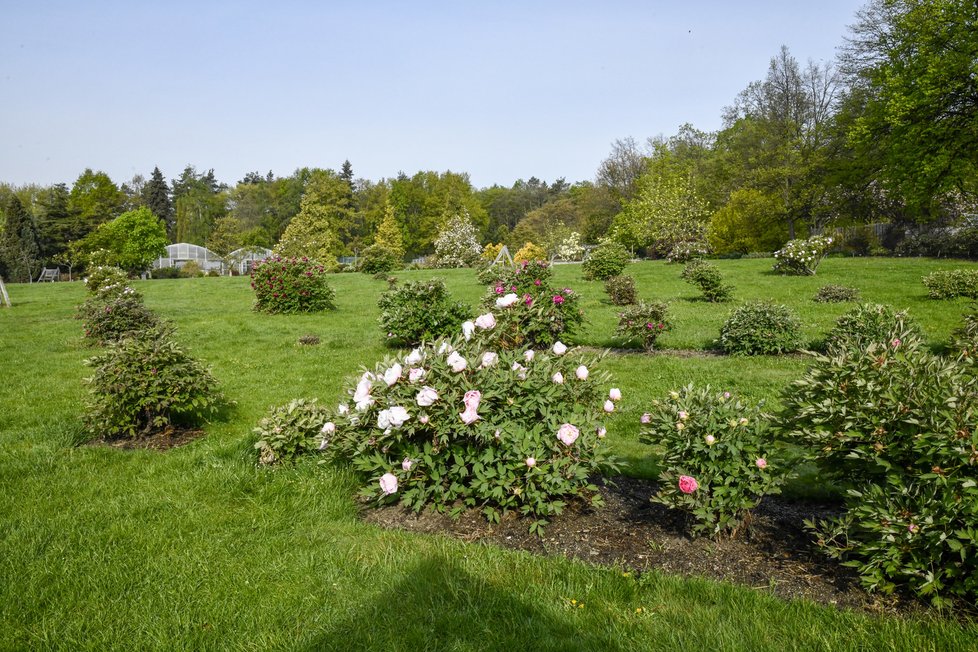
291	431
621	290
291	285
760	328
608	259
708	279
871	323
802	257
419	311
459	424
644	323
952	283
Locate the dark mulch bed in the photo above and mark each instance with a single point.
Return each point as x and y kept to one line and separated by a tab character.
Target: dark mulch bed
163	440
776	555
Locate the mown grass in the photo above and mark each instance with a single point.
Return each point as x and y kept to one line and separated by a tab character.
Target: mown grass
195	548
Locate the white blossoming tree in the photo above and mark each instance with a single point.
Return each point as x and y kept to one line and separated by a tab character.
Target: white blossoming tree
458	242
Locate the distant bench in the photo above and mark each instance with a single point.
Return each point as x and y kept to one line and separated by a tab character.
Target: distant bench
50	274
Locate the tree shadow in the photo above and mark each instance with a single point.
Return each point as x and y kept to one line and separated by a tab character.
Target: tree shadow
441	606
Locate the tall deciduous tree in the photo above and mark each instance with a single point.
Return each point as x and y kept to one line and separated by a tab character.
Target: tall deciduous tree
198	201
20	250
131	241
95	199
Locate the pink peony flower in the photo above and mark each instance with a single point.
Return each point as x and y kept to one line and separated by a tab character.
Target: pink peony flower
528	300
609	406
710	440
413	358
393	374
761	463
568	434
427	396
537	282
558	378
688	484
343	408
528	355
471	400
683	415
398	416
423	418
499	289
486	322
602	432
507	301
582	373
415	374
912	528
407	464
468	328
445	347
896	342
614	394
328	428
489	359
531	462
457	362
558	299
388	484
726	395
559	348
646	418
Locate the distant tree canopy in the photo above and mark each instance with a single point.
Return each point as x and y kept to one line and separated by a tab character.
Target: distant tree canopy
131	241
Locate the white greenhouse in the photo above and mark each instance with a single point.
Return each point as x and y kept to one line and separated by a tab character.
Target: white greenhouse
178	255
242	260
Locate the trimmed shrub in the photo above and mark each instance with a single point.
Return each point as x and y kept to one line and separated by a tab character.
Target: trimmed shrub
802	257
717	460
165	273
291	285
104	277
836	294
419	311
290	431
707	277
456	425
107	321
142	385
871	323
953	283
897	424
644	322
530	252
621	290
607	260
376	259
760	327
191	269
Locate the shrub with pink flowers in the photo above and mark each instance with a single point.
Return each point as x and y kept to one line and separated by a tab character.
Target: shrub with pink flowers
456	424
644	323
531	313
717	459
291	285
896	425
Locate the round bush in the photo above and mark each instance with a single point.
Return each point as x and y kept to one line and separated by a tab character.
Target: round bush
292	430
107	321
707	277
104	277
419	311
644	322
836	294
871	323
291	285
607	260
952	283
760	327
530	252
376	259
621	290
802	257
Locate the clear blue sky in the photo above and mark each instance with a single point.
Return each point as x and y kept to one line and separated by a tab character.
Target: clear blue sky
501	90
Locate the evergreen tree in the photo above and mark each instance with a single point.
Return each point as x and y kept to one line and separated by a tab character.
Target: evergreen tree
156	196
389	234
346	173
19	246
55	226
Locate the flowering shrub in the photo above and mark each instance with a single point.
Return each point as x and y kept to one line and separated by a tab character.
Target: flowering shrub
292	430
570	248
836	294
290	285
760	327
952	283
377	259
871	323
457	244
607	260
454	424
717	461
621	290
897	424
530	252
706	276
683	252
107	321
142	385
802	257
529	311
105	276
644	322
419	311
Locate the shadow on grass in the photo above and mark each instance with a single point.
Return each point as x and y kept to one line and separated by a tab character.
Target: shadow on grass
441	606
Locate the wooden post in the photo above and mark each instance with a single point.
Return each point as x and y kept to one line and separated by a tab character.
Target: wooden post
4	297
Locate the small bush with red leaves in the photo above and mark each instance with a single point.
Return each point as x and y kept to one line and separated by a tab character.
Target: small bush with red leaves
290	285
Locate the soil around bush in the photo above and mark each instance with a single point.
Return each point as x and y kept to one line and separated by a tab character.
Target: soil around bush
165	439
776	556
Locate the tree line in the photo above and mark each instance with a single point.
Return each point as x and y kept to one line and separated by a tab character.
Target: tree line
888	132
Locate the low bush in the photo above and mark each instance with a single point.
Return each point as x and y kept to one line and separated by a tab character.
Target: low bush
717	459
376	259
419	311
607	260
291	285
802	257
456	425
707	277
290	431
107	321
191	269
621	290
166	273
953	283
836	294
871	323
644	322
760	327
896	424
103	277
142	385
530	252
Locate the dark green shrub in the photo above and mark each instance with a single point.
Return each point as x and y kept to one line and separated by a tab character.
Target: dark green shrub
621	290
166	273
707	277
952	283
644	322
760	327
419	311
377	259
292	430
107	321
291	285
871	323
836	294
897	424
607	260
142	385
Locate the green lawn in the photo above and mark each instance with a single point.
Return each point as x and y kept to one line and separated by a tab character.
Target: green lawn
195	548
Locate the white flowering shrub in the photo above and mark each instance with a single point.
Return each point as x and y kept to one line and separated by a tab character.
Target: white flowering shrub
802	257
458	243
570	248
454	424
687	250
